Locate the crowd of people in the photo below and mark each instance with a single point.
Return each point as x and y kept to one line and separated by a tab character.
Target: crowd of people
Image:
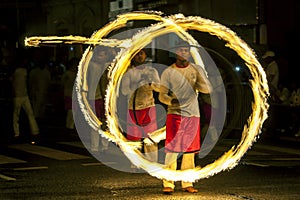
286	96
35	86
279	93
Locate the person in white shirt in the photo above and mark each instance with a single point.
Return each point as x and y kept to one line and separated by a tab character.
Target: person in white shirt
272	72
180	84
68	80
39	82
97	83
21	99
138	85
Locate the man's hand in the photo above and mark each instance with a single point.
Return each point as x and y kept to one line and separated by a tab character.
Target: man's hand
142	82
145	84
148	141
175	102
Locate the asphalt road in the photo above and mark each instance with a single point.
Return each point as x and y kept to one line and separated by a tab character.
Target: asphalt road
64	169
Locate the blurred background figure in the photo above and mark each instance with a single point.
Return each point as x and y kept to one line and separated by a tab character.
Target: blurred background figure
97	83
39	82
20	97
295	111
283	95
272	73
68	80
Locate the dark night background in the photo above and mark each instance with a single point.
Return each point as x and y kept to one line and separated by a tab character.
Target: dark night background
62	17
263	24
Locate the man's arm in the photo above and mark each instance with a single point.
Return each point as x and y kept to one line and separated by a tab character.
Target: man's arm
163	95
203	85
125	86
154	80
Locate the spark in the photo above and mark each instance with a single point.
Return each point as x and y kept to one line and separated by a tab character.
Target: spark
177	24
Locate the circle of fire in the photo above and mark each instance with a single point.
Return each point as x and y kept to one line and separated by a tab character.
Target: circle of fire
178	24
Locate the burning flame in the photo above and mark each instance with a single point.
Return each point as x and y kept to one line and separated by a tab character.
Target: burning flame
177	24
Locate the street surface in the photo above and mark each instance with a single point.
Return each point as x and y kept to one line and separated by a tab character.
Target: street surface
64	169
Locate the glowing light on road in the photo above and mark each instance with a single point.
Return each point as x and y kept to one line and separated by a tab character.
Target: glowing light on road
179	25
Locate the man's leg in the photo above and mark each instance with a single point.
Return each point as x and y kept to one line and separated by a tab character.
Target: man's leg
16	115
188	162
151	152
69	119
94	140
31	118
104	144
171	163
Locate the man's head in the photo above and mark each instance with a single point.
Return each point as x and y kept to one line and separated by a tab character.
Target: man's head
182	50
100	54
268	57
139	58
268	54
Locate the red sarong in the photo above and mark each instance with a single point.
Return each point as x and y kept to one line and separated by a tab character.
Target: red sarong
182	134
146	119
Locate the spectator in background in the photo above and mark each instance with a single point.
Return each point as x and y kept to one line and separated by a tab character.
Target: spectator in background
283	95
39	82
295	95
295	111
21	98
7	62
68	80
97	83
61	65
272	73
